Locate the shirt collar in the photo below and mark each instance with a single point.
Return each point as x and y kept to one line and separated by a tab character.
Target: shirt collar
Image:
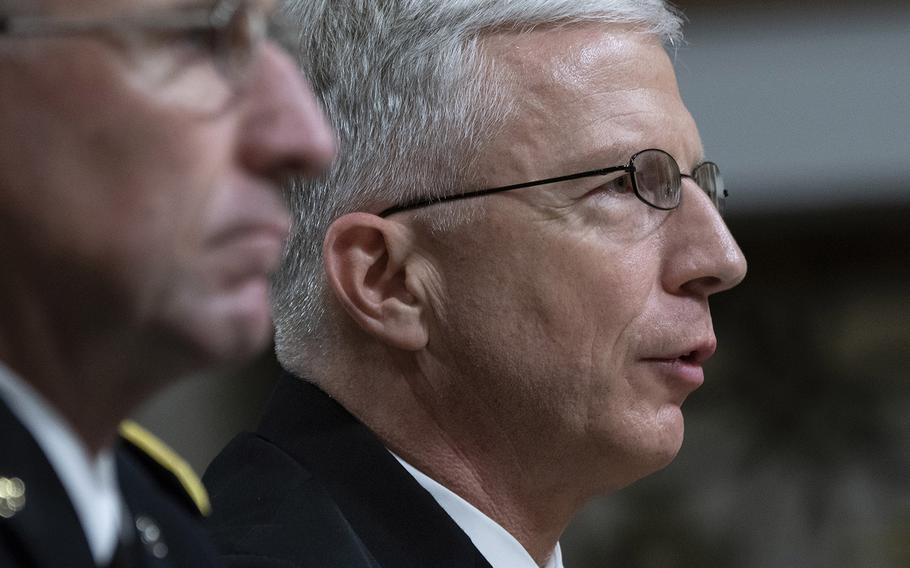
91	483
496	544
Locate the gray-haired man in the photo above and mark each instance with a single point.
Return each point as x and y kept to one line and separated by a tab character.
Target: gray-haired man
511	301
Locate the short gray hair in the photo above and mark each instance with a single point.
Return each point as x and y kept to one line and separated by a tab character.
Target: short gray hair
406	87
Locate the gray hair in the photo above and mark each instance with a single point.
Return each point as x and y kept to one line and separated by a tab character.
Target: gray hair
413	101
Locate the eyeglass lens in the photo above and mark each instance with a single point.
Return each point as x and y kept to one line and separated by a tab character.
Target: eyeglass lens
242	27
708	177
658	180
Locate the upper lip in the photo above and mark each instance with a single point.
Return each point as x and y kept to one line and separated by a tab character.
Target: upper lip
276	230
694	352
257	209
260	213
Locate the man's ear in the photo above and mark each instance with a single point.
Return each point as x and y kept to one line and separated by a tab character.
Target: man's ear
366	262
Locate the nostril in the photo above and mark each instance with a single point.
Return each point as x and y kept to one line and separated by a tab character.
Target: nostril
285	172
705	285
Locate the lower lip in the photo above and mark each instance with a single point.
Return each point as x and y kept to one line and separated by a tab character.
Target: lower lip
682	372
253	254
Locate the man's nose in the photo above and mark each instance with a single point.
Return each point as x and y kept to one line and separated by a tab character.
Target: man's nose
704	258
284	131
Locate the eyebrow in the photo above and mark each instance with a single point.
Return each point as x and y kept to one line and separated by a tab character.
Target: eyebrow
177	7
604	156
192	5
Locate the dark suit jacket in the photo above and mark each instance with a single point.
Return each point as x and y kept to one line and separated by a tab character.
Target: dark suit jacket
315	488
46	533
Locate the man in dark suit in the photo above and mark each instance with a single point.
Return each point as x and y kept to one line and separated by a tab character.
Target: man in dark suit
140	218
511	305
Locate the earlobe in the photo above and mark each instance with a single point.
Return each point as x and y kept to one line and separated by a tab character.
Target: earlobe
366	262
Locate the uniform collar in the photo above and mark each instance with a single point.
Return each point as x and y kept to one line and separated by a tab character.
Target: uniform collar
90	483
498	546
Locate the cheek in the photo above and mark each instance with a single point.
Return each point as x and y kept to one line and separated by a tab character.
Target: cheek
607	308
554	312
105	161
150	203
593	292
157	192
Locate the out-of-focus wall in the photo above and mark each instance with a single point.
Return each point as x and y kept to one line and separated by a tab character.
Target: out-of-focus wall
797	449
803	104
199	415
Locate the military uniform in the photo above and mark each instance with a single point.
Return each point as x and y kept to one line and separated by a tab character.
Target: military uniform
39	527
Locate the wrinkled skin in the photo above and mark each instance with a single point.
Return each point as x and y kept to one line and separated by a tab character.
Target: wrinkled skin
570	321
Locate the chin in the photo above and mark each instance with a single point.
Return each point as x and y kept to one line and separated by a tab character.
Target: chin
239	338
231	327
245	328
669	436
651	449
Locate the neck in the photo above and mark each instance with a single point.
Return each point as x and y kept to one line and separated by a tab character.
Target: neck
459	441
92	391
91	371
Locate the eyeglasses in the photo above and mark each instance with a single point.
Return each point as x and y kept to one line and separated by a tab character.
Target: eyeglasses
653	175
228	33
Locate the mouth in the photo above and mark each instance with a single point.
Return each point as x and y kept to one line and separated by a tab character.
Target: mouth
684	366
275	230
699	353
251	251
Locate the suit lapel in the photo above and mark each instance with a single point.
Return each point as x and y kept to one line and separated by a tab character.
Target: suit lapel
398	521
46	529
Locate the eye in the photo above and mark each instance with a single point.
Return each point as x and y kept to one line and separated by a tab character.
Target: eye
620	185
183	46
612	187
201	41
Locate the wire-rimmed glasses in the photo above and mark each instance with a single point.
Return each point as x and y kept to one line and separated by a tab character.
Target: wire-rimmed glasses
653	175
174	41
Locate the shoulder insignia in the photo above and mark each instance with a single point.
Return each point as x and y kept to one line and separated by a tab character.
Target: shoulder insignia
153	449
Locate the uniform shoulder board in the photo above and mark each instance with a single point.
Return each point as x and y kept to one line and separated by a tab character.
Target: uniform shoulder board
166	465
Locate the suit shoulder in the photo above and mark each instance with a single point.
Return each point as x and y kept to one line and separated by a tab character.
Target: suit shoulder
269	510
252	480
170	471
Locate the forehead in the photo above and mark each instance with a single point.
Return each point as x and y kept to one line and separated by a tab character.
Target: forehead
588	96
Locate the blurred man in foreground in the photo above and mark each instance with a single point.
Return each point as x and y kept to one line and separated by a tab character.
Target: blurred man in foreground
140	216
511	304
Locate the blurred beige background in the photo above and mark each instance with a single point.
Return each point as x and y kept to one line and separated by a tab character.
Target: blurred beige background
797	449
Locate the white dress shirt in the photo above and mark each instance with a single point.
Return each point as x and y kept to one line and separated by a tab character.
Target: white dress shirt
495	543
90	483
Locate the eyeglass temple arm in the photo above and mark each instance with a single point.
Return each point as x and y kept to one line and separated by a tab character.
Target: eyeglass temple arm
481	192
